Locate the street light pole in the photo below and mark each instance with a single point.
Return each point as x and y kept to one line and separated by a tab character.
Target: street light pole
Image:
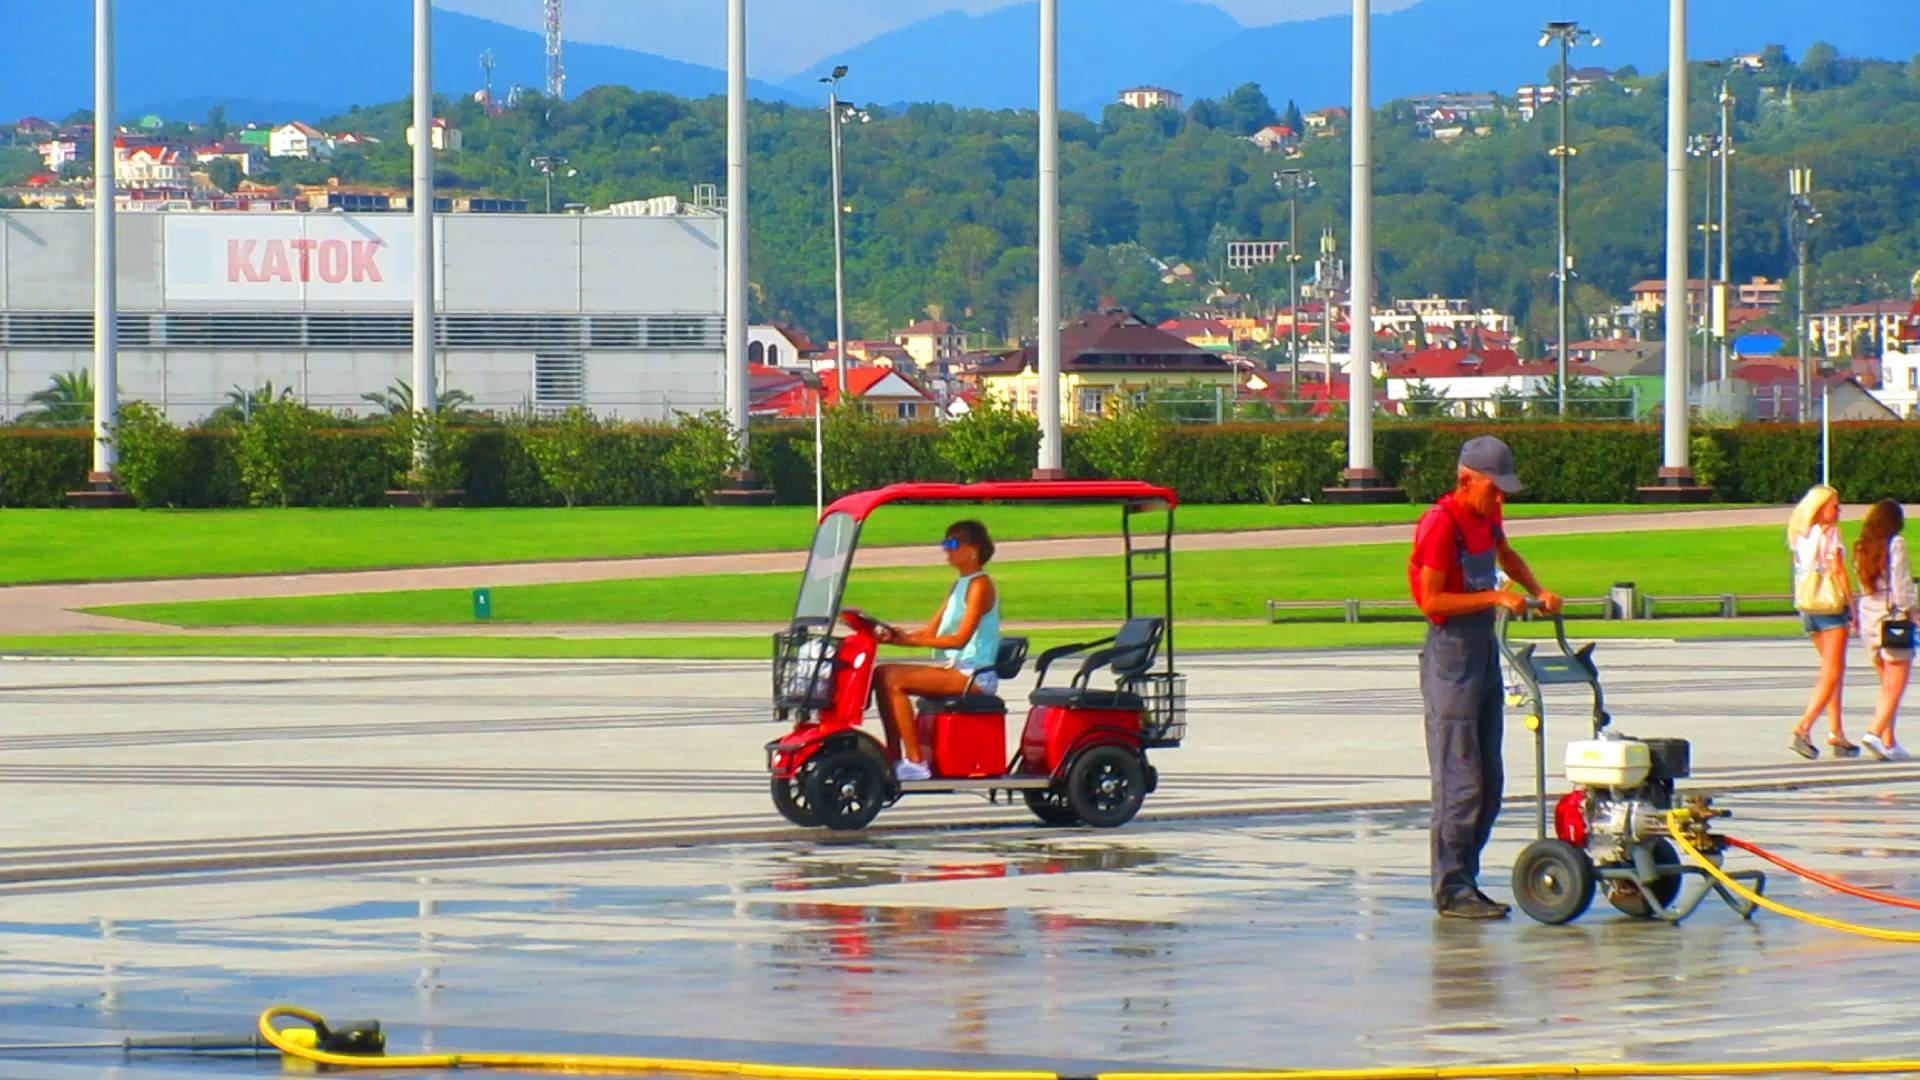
1293	180
1726	219
1360	472
839	256
1705	148
1567	34
737	385
1800	218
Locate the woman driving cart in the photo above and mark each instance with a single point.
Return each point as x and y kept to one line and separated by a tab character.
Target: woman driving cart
965	635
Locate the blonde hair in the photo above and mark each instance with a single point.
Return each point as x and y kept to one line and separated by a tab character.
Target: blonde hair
1814	501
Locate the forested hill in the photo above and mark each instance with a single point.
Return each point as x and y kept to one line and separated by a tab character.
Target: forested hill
943	199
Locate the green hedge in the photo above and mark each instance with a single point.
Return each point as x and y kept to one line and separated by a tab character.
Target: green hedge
1284	462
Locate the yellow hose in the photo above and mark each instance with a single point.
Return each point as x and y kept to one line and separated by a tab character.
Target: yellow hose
1677	830
696	1067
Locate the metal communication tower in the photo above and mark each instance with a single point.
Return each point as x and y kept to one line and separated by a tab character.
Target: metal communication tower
486	65
556	71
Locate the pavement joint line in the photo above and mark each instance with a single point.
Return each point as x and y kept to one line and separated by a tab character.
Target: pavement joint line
141	871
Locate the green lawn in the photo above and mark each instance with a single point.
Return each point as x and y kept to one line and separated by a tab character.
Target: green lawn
1210	585
755	647
61	545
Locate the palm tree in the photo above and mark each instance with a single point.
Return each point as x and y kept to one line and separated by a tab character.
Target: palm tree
398	399
243	403
67	402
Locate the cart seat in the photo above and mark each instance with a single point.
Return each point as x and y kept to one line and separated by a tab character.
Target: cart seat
1080	697
1006	664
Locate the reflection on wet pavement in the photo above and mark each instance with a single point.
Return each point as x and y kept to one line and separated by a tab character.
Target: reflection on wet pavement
1296	941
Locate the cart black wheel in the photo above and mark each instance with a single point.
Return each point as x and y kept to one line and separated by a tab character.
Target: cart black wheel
790	797
1105	787
1553	881
1628	897
847	788
1051	808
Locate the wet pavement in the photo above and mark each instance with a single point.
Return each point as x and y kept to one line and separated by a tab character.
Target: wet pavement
1267	910
1302	941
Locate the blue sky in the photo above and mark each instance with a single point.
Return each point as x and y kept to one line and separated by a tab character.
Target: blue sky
786	36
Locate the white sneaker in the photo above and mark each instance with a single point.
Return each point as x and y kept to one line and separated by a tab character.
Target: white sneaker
1896	752
1872	744
911	770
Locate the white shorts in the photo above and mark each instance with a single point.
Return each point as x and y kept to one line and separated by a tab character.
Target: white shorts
986	681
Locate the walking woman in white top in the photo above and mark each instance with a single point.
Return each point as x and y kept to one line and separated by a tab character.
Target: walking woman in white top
1823	596
1886	592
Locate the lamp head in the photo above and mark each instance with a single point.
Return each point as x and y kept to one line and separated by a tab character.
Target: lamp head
840	71
1595	41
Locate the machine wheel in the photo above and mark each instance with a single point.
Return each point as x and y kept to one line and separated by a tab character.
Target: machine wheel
1553	881
1627	896
1105	787
1051	808
790	797
847	789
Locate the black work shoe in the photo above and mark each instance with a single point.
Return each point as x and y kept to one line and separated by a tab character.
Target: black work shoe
1472	906
1505	909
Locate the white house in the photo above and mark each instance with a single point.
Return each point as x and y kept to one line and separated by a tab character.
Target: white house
446	137
149	167
62	149
298	140
1900	383
1150	97
250	158
778	346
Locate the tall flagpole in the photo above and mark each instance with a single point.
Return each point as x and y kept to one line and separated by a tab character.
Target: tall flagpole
106	300
425	264
1048	347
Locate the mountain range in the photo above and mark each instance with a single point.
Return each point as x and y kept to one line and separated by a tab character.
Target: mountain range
988	60
177	59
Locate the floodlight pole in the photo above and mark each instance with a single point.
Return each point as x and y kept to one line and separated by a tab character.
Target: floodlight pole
106	300
1726	219
424	262
1047	345
1361	482
839	250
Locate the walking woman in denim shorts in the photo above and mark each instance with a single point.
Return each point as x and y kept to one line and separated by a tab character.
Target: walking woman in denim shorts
1813	535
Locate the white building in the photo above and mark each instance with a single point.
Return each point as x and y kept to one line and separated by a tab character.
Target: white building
1900	380
298	140
446	137
150	167
1150	97
62	149
537	313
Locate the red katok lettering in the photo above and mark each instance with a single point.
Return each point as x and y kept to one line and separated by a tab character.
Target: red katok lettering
362	259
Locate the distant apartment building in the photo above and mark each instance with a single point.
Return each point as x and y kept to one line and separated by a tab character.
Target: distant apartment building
298	140
1531	99
1150	97
1836	331
933	344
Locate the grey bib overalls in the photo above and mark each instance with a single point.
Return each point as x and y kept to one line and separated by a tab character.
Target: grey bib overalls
1460	682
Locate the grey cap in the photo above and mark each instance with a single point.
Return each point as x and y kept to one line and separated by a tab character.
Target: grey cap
1490	457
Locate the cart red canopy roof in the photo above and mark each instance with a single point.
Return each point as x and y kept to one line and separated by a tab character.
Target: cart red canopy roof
861	503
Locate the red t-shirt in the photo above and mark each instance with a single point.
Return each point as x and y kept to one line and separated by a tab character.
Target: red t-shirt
1437	540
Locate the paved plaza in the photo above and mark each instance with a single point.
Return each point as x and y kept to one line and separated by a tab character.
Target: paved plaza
583	857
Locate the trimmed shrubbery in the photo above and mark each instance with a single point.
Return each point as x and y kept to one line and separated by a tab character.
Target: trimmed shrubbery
285	455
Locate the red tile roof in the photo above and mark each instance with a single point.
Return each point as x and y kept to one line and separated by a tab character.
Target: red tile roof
933	327
1443	363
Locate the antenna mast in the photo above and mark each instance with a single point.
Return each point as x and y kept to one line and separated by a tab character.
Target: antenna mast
486	65
556	71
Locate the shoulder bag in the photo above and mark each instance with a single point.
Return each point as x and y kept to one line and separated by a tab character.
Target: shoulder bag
1815	592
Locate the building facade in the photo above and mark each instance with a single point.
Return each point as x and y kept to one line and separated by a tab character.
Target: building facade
536	313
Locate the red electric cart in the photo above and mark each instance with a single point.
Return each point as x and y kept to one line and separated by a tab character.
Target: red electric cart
1081	755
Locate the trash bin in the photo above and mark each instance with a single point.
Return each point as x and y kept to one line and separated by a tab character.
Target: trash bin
483	604
1624	601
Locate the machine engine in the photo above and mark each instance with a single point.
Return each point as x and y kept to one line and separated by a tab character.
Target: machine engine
1625	787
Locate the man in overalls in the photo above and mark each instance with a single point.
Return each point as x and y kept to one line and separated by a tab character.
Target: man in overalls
1457	548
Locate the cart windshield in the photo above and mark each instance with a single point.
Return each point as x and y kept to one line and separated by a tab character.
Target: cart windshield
827	566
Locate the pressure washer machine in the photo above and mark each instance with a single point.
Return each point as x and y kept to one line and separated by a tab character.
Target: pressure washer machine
1612	830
